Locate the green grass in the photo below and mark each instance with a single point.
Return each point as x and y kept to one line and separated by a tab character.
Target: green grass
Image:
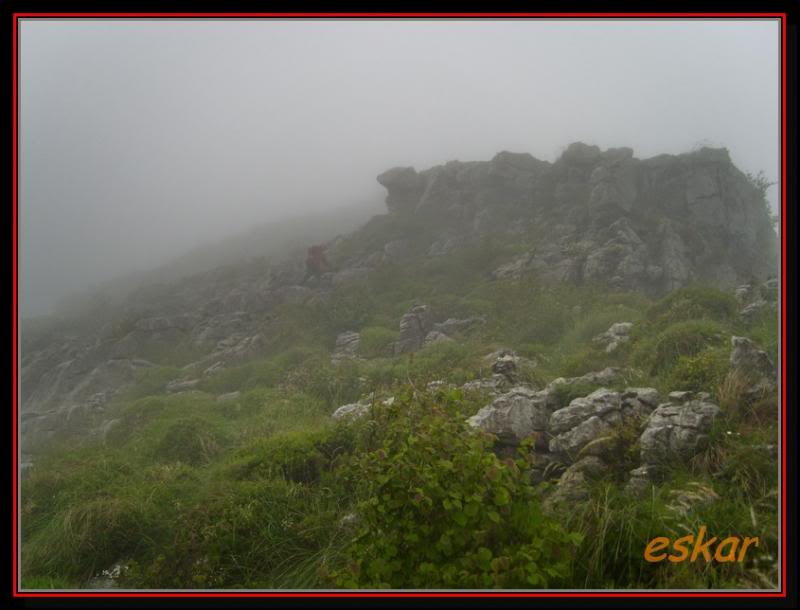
192	492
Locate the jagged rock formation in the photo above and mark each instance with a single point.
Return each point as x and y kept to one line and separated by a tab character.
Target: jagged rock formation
754	364
647	224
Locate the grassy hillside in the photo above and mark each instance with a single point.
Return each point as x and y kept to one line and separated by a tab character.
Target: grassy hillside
265	490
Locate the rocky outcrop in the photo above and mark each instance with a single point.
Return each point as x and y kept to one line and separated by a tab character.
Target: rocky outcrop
754	298
585	440
754	365
414	327
675	432
617	334
346	348
640	224
417	330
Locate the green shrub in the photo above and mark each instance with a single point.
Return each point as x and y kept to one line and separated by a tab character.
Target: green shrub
700	373
375	341
190	441
293	456
334	385
565	393
688	338
440	510
264	373
693	303
445	359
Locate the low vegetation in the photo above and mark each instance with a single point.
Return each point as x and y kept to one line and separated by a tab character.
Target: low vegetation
265	490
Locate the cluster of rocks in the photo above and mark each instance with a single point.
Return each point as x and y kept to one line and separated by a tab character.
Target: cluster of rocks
617	334
417	330
582	440
754	365
753	297
585	439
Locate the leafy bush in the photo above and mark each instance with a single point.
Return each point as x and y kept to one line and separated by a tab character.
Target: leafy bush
332	384
439	509
700	373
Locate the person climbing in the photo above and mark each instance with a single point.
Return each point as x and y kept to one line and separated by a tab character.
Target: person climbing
316	263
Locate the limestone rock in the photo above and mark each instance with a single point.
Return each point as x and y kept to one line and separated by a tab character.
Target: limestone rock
435	336
573	486
617	334
181	385
347	344
229	397
414	327
754	363
676	431
514	416
404	186
352	411
586	426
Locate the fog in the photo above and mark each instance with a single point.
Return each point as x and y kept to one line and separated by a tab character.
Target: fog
141	139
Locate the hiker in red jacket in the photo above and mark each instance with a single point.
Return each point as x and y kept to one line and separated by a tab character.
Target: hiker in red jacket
316	263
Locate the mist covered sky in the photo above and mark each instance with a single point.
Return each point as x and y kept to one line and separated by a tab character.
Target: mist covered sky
143	138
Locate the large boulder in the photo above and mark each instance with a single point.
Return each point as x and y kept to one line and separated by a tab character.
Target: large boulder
346	348
414	327
573	485
677	432
514	416
754	364
352	411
